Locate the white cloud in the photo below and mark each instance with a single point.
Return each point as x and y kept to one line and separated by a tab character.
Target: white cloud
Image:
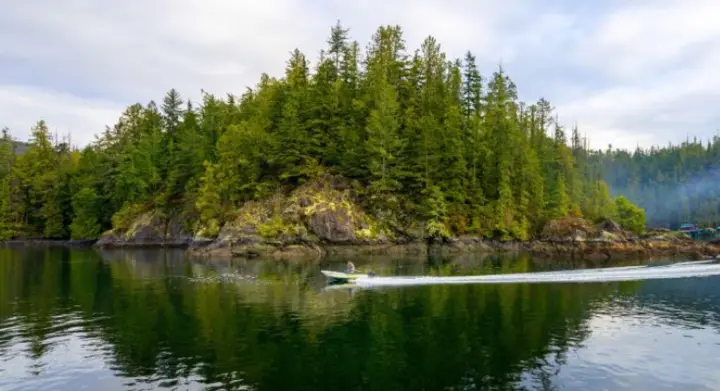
646	37
136	50
627	75
651	113
660	62
22	107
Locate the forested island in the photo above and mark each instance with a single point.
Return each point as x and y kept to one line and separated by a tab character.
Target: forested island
375	146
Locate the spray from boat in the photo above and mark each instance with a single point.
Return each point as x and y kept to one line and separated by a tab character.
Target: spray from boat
626	273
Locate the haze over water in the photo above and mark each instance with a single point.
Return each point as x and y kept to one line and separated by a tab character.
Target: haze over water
141	320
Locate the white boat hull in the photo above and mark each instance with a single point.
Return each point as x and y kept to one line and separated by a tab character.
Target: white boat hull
342	276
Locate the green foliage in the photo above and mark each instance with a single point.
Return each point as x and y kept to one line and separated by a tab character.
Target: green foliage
7	159
422	137
383	144
629	215
601	205
559	202
209	202
51	213
123	218
274	227
36	185
85	224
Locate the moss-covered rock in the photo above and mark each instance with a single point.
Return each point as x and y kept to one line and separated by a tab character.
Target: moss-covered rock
569	229
662	234
322	211
328	209
148	228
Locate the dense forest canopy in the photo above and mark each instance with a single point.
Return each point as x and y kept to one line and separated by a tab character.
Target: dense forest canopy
419	136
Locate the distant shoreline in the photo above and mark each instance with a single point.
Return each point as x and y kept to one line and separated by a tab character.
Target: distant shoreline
593	250
47	243
590	249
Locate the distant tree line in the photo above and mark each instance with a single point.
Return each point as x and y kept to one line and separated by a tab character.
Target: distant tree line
675	184
420	136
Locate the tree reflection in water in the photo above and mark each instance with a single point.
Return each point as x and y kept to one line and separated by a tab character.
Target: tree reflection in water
154	317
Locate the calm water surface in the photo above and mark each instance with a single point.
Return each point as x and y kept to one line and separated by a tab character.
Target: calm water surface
148	320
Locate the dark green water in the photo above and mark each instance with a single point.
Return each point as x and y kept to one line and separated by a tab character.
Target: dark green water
147	320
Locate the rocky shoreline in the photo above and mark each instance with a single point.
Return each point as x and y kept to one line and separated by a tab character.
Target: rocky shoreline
323	218
592	249
570	238
48	243
589	250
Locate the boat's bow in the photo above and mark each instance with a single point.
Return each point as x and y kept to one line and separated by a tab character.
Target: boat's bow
342	276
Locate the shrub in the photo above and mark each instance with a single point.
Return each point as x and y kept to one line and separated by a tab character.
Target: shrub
630	216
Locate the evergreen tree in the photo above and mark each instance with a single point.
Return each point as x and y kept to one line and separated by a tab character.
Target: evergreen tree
325	117
423	139
473	141
338	43
501	132
559	202
292	155
351	132
451	142
7	160
383	144
85	224
35	179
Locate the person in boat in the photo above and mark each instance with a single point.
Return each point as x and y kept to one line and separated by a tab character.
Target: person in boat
350	268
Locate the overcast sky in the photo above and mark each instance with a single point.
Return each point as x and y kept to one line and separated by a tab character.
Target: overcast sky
628	72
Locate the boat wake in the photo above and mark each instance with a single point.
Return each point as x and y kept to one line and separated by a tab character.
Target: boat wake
627	273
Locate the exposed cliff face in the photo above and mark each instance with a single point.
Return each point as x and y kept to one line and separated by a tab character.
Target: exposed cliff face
320	213
148	229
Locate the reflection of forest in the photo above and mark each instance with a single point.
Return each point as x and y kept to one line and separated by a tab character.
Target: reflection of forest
268	325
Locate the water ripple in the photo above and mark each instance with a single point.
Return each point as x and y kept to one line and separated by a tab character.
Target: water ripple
148	325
